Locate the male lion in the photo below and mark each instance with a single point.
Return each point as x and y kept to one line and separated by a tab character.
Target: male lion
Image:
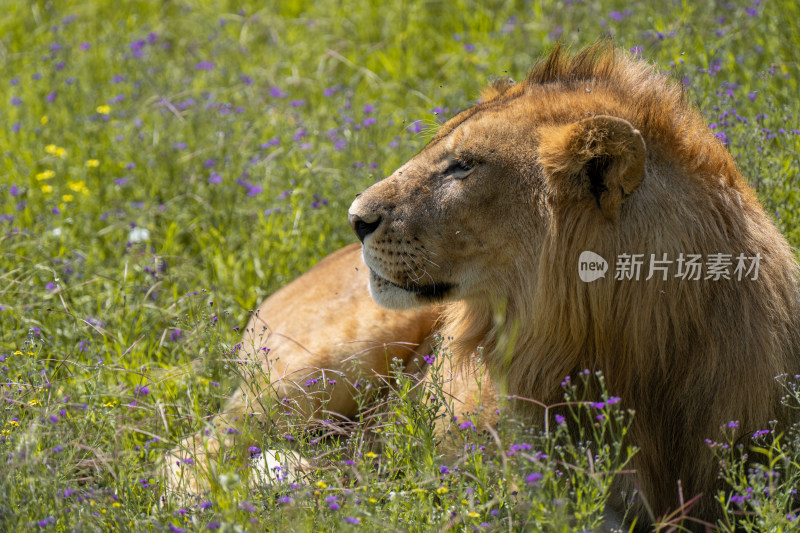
591	153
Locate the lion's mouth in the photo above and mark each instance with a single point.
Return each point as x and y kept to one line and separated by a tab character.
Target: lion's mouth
431	291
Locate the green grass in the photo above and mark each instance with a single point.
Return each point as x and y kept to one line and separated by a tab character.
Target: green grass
164	166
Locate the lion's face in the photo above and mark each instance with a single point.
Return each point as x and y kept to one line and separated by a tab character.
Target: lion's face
454	222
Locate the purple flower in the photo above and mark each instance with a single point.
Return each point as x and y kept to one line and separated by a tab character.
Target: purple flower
334	506
175	335
36	76
733	424
85	46
205	65
254	451
560	419
352	520
121	181
15	101
533	479
369	121
469	47
466	425
752	11
16	127
297	103
214	178
141	390
276	92
247	506
329	91
206	505
137	48
51	97
13	190
284	499
415	127
369	109
50	286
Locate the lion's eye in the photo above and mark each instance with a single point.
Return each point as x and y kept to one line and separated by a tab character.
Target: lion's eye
459	170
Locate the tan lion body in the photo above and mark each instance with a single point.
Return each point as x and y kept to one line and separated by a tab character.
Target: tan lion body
595	153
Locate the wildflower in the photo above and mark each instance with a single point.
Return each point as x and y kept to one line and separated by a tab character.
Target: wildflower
560	419
44	120
205	65
51	97
352	520
473	514
533	479
442	490
284	499
103	109
45	175
15	101
322	485
371	455
276	92
67	198
466	425
247	506
141	390
733	424
92	163
444	470
175	335
78	186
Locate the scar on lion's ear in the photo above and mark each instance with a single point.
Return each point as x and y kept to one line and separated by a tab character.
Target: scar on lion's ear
497	88
602	155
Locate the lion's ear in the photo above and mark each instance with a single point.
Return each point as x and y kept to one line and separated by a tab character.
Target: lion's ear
498	87
602	155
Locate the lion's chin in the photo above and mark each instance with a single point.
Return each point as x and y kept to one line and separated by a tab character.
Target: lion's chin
388	294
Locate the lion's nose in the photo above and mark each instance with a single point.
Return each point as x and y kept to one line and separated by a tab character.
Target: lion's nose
365	225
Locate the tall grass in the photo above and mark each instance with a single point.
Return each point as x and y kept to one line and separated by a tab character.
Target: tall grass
166	165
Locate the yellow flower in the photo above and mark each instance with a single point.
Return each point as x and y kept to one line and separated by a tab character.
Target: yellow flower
473	514
47	189
103	109
372	500
13	424
78	186
51	149
116	504
44	120
17	353
371	455
442	490
322	485
92	163
45	175
67	198
60	152
33	402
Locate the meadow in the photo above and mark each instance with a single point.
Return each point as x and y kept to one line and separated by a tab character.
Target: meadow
164	166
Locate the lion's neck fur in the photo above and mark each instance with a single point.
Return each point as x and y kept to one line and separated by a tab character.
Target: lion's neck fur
646	336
